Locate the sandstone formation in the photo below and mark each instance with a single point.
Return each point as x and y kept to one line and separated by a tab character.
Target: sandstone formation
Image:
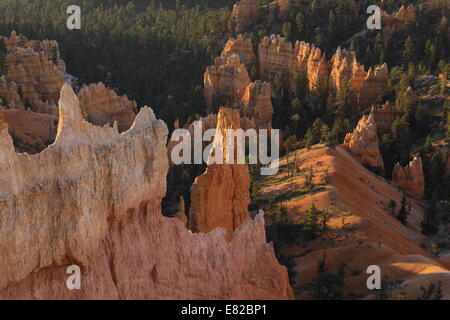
220	196
344	66
279	63
49	47
318	70
225	83
410	178
397	20
242	47
310	62
101	106
367	86
373	86
9	94
244	14
384	117
257	104
276	56
93	199
35	73
363	143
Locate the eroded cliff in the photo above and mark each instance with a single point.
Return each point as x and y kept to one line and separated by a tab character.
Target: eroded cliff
283	64
93	198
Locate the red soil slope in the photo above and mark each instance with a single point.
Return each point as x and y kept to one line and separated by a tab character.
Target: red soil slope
362	230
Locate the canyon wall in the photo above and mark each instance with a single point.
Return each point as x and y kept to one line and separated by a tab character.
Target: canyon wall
363	143
276	56
93	198
280	63
410	178
101	106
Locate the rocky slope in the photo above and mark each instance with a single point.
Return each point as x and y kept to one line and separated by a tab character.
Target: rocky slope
77	203
361	230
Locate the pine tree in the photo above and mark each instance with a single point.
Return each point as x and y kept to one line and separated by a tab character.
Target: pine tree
311	226
411	74
300	24
325	134
428	147
287	30
429	224
409	49
404	212
309	139
392	205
